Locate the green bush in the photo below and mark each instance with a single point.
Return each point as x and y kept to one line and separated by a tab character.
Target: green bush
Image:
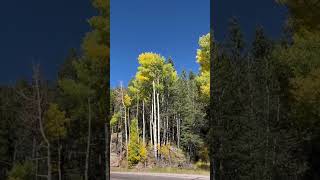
21	172
137	151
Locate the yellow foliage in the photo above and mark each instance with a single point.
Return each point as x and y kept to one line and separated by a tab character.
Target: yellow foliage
137	152
127	100
133	90
170	72
143	153
153	67
115	118
141	78
307	89
23	171
165	151
203	58
203	54
150	59
92	48
204	81
55	122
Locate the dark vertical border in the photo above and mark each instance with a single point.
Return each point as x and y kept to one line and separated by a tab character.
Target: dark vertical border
107	126
212	94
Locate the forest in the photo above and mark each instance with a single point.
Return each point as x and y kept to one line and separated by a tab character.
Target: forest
160	118
58	129
265	100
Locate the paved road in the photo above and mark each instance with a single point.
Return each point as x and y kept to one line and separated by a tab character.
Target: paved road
155	176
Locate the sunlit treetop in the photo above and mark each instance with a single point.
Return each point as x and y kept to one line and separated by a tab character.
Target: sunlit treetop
148	59
96	42
102	6
153	68
203	54
170	73
203	58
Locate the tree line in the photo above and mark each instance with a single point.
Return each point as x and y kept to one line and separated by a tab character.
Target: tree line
265	101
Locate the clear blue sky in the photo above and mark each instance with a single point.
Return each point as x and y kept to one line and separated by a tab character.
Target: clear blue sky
250	13
44	31
169	27
39	31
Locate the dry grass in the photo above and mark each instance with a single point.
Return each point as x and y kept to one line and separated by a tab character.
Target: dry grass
164	170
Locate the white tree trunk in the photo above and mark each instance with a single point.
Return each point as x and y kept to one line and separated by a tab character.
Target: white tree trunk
164	131
59	162
167	134
173	130
177	121
158	105
125	121
137	116
144	125
86	177
155	148
137	111
126	132
38	100
128	124
178	132
150	125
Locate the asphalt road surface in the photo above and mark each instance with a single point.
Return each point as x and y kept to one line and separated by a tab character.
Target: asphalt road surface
155	176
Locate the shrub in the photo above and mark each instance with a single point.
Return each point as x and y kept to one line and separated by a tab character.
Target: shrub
203	165
143	153
137	152
165	152
21	172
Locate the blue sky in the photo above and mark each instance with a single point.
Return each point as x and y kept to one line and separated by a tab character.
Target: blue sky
39	31
250	13
44	31
169	27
